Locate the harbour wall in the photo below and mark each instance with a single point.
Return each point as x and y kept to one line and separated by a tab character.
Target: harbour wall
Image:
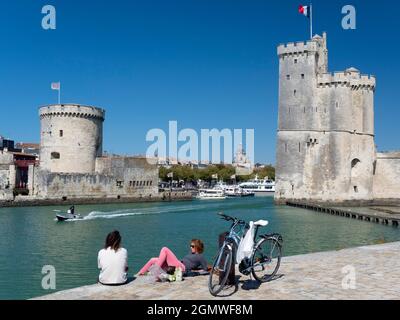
22	201
387	176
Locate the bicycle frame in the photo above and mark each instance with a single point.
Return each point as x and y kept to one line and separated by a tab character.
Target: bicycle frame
234	238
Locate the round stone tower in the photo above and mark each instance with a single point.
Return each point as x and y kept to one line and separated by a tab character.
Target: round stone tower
71	138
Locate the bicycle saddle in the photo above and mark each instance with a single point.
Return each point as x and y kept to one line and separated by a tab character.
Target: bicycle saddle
261	223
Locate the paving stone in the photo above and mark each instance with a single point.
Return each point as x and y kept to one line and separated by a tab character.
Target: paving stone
316	276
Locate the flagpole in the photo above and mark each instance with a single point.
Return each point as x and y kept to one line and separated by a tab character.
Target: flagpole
311	21
59	95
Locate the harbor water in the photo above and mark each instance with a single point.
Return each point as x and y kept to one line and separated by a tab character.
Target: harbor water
31	238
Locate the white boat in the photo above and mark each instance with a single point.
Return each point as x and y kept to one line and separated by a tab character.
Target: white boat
232	191
261	187
211	194
237	192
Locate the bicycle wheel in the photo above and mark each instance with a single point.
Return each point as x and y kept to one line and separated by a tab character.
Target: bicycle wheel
220	270
266	259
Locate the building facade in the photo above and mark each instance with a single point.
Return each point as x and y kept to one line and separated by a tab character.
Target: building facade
326	141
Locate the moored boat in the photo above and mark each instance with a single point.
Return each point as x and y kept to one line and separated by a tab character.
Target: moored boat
211	194
260	187
237	192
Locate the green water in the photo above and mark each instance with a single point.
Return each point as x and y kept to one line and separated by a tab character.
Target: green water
30	238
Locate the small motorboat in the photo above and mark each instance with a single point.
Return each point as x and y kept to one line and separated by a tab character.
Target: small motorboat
68	216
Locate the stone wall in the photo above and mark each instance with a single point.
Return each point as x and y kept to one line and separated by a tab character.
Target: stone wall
115	177
7	172
71	138
387	176
330	166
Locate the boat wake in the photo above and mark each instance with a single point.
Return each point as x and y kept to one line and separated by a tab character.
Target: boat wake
110	215
144	211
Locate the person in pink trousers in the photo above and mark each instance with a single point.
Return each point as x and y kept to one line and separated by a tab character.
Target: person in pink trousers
166	259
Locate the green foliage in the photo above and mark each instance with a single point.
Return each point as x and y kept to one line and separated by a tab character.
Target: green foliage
224	172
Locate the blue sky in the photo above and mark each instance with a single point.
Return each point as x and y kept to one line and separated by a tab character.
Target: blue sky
205	63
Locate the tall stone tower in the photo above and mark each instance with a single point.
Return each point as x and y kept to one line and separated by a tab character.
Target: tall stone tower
325	144
71	138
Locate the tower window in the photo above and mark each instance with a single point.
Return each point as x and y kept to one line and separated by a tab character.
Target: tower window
61	133
286	147
294	92
295	61
337	104
355	189
55	155
302	76
288	77
299	147
354	163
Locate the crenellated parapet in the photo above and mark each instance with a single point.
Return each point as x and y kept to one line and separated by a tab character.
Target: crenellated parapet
296	48
352	79
72	110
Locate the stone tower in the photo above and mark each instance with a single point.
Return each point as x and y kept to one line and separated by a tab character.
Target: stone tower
325	144
71	138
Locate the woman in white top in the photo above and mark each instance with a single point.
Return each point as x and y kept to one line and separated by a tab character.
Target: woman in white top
113	261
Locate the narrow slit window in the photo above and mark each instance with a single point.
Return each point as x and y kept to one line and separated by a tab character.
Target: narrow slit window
61	133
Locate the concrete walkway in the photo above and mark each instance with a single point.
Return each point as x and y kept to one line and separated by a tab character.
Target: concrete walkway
313	276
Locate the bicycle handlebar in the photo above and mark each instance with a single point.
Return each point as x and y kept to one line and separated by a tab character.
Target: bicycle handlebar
234	220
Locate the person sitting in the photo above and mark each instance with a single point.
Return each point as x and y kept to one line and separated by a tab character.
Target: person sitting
113	261
167	260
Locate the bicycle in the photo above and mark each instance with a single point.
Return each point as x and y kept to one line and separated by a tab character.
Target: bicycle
263	263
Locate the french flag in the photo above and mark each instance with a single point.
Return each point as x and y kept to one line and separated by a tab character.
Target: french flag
305	10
